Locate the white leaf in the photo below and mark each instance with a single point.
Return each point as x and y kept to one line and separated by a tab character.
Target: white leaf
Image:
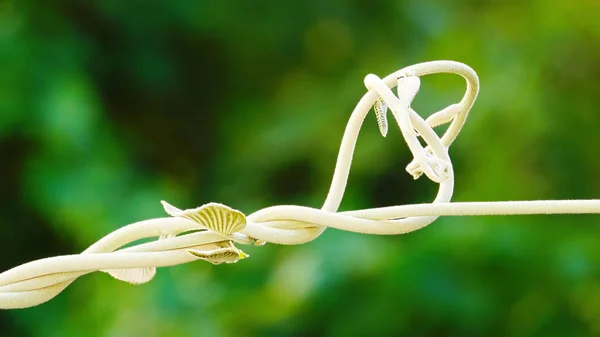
214	216
132	275
380	108
408	87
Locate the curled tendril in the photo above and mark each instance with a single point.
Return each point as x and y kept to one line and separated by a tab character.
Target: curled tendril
210	232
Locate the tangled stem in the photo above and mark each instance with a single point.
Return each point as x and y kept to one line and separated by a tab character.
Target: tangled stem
202	233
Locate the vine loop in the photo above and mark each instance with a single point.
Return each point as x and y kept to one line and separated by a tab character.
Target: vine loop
210	232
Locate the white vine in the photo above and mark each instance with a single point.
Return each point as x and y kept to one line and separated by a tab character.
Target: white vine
210	232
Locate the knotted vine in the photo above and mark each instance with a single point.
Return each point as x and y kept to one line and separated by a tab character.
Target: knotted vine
212	231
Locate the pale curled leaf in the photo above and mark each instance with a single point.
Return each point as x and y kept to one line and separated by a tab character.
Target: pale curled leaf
170	209
133	275
381	108
227	253
408	87
214	216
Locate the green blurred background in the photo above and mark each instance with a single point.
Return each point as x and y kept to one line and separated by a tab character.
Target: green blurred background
107	107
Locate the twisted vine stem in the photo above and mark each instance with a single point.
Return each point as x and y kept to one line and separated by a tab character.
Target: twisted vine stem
210	232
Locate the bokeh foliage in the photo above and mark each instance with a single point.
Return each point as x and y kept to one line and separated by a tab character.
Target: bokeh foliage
109	106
